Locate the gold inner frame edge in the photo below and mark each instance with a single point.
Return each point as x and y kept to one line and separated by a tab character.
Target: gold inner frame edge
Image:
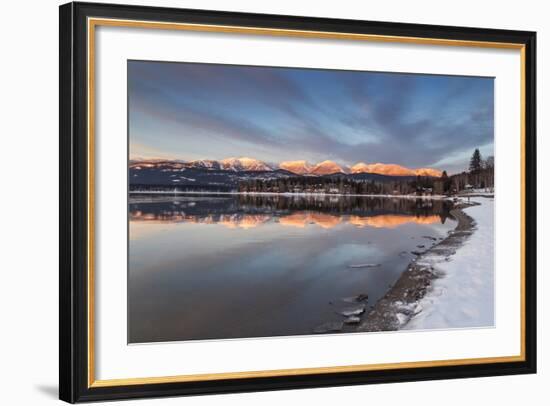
92	23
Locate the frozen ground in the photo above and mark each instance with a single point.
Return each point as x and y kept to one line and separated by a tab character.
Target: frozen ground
463	295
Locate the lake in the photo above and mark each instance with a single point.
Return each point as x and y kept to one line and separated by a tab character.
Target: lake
234	266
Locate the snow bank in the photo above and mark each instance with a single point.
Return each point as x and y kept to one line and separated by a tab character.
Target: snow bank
464	294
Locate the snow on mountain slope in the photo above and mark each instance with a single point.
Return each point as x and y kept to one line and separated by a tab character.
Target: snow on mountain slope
327	168
297	167
359	167
428	172
386	169
205	163
393	170
244	164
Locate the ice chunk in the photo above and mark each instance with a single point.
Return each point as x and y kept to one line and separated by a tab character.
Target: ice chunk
352	320
353	311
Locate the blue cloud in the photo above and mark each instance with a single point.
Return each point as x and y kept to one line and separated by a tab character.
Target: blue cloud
195	110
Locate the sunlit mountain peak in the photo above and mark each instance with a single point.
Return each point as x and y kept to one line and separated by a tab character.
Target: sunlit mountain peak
428	172
244	164
301	167
326	168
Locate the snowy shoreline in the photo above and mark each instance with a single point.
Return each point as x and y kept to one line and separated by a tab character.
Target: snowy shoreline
448	286
463	295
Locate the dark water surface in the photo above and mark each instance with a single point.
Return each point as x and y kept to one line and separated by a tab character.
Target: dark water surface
232	266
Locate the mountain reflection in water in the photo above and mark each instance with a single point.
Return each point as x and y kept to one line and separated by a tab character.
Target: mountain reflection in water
248	211
234	266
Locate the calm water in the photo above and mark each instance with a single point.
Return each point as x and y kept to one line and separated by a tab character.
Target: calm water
228	266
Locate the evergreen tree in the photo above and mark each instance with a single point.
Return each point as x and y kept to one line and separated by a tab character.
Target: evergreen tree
447	183
476	162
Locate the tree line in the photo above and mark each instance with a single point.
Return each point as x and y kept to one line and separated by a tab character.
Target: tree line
337	184
480	174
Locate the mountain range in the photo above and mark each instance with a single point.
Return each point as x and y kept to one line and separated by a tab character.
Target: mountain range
299	167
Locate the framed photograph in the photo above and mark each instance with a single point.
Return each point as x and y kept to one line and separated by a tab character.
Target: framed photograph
255	202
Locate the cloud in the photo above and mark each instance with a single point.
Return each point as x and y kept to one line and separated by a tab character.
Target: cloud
284	113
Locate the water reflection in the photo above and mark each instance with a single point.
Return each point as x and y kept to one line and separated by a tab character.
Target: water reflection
231	266
245	211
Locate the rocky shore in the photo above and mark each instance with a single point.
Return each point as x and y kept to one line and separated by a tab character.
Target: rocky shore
401	302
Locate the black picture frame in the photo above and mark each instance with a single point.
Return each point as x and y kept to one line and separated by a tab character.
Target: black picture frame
74	385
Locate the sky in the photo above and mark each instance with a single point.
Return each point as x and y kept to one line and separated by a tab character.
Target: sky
194	111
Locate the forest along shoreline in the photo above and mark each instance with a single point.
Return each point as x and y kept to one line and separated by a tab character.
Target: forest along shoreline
400	304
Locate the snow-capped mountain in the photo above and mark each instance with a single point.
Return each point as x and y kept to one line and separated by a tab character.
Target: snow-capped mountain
382	169
360	167
393	170
428	172
297	167
326	168
244	164
229	174
157	164
206	164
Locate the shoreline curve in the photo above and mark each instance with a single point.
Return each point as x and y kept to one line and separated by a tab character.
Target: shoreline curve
398	306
